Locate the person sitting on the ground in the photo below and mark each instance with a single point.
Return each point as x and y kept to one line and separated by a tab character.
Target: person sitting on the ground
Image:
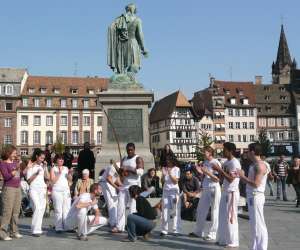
142	222
151	180
191	192
83	185
78	214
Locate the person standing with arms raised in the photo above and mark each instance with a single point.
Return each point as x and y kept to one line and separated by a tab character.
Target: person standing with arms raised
255	189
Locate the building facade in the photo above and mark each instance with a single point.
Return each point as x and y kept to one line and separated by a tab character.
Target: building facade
172	121
62	108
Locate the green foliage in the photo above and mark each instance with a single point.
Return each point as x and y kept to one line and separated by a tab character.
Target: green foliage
265	142
204	140
59	146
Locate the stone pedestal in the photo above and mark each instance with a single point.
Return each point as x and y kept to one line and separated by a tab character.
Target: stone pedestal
128	111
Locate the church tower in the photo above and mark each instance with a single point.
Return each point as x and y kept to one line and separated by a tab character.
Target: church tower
281	69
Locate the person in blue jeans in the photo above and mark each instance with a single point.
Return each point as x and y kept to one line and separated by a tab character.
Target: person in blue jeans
280	173
142	222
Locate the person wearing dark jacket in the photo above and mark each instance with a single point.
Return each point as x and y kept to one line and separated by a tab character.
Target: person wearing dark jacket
294	178
86	160
167	153
150	180
48	153
68	158
142	222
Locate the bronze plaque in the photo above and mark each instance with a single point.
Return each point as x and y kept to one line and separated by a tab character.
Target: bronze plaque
128	125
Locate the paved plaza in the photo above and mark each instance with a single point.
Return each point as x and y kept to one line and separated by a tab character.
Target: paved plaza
283	221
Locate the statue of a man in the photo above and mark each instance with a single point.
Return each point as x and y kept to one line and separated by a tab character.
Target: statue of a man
126	43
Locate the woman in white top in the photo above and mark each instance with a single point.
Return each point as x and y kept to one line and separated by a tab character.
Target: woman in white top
210	197
170	198
36	174
255	189
61	178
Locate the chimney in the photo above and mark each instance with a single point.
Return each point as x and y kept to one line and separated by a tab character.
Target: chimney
258	80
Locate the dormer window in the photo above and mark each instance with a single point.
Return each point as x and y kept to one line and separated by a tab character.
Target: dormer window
268	109
227	92
282	97
240	91
31	90
232	101
56	91
9	89
266	88
74	91
267	97
245	101
91	91
282	89
43	90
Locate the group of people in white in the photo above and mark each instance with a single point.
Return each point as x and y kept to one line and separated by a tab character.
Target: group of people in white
120	184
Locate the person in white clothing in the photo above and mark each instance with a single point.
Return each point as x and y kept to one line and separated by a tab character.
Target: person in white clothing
110	184
61	178
36	174
255	189
210	197
78	215
171	201
131	170
228	230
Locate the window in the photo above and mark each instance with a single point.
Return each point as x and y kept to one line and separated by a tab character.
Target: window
56	91
167	136
85	104
251	125
9	89
230	124
244	112
24	120
7	122
267	97
178	134
271	122
86	136
49	102
86	121
63	103
230	137
7	139
8	106
74	103
75	120
281	135
245	101
290	135
282	89
36	102
239	138
49	137
271	135
24	152
282	97
188	134
230	112
237	125
99	120
237	112
37	120
31	90
25	102
74	91
24	137
91	92
64	137
244	138
36	137
251	112
252	138
282	122
49	120
244	125
262	122
232	101
43	90
63	120
99	137
268	109
75	137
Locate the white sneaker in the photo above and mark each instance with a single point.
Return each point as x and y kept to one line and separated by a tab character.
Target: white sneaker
7	238
17	236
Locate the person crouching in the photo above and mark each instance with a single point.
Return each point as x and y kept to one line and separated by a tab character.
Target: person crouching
78	214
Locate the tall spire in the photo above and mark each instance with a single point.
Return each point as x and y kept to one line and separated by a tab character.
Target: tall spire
283	53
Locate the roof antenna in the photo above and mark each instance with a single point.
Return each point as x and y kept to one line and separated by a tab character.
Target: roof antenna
75	69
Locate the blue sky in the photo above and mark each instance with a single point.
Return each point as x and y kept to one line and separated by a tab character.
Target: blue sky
187	40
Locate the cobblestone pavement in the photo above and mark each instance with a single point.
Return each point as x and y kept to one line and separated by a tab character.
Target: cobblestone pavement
283	221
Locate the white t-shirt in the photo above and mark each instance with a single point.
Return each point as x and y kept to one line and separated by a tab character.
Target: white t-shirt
62	183
131	179
39	181
168	184
207	182
231	167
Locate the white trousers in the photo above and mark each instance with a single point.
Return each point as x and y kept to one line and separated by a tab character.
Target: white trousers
209	198
62	205
38	201
258	228
124	201
171	202
228	230
112	204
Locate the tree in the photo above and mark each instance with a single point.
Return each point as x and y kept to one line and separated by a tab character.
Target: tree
264	141
204	140
59	146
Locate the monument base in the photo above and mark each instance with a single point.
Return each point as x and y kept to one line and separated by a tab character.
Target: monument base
126	119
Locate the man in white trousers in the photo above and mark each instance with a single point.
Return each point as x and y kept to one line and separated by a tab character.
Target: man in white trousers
210	197
255	189
132	168
110	184
228	230
78	214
